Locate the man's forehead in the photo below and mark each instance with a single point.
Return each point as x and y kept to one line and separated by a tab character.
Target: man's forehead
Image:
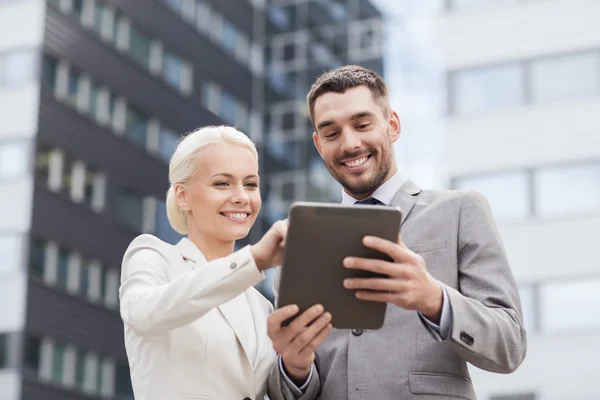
344	105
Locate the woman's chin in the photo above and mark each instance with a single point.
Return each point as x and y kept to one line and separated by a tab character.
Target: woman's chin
237	234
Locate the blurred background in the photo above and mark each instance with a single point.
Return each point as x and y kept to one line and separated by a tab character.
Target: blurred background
500	96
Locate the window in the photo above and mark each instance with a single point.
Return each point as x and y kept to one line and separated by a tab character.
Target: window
176	5
93	189
106	377
58	363
3	350
229	36
555	188
167	143
570	306
18	67
508	193
227	109
95	102
136	128
84	276
11	248
123	382
32	353
62	272
110	287
77	6
104	22
565	77
14	159
173	70
67	176
203	16
80	370
288	190
37	257
288	120
278	16
73	87
130	210
289	51
140	47
49	71
488	88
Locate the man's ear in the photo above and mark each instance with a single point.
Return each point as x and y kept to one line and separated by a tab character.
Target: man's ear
317	143
395	128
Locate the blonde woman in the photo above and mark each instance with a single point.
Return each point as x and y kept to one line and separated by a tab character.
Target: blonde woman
195	328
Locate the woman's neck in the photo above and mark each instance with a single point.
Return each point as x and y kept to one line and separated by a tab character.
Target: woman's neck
212	248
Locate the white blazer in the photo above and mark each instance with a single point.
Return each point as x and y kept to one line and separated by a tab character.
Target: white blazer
186	335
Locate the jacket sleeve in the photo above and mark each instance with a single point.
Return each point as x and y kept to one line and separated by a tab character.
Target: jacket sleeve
487	327
281	388
152	304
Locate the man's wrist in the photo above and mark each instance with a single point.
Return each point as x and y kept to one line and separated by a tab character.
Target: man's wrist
296	375
434	303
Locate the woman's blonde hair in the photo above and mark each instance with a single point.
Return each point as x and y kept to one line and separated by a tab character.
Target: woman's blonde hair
186	160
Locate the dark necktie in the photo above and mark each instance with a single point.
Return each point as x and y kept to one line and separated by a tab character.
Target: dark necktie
369	201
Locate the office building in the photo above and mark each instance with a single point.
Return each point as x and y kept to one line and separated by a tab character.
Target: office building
93	97
523	127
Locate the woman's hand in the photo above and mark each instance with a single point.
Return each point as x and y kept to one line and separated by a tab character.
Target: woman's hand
268	252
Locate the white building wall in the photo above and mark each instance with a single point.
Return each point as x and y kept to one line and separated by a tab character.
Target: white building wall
22	23
561	362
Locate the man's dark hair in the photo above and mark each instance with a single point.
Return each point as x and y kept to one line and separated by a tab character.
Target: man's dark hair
347	77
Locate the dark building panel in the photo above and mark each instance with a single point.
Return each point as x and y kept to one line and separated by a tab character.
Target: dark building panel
68	319
77	227
34	390
239	12
210	61
66	38
124	162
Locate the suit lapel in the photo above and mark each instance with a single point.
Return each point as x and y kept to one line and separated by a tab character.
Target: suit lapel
232	313
259	316
406	197
230	309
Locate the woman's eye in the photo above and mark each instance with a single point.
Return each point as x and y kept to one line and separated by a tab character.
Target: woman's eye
221	184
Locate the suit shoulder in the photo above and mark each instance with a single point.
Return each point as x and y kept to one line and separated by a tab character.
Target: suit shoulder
458	196
149	247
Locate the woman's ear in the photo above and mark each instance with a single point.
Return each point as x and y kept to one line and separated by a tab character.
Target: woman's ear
181	192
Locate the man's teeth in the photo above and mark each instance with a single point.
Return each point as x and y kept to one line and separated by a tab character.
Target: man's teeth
236	215
356	163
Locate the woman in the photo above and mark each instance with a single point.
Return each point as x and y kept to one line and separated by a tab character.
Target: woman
195	328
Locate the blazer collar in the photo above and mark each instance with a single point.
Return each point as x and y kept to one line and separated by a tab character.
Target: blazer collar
230	309
406	197
190	251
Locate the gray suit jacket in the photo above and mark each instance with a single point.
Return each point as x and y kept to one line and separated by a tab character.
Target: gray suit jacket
455	233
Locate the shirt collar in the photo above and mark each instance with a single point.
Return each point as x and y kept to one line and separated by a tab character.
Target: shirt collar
384	193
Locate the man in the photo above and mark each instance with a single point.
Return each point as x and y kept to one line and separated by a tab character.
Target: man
452	297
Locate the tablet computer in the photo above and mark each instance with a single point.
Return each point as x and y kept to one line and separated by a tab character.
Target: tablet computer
319	237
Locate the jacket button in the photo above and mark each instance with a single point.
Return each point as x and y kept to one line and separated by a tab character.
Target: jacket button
466	338
232	266
247	398
357	332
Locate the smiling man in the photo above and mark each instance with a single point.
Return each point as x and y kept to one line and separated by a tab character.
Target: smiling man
452	297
